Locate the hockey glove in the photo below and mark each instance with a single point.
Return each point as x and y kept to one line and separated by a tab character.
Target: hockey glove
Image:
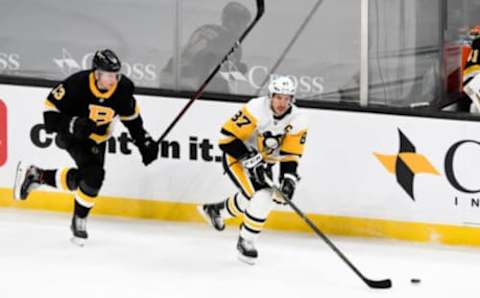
287	188
148	149
81	128
257	168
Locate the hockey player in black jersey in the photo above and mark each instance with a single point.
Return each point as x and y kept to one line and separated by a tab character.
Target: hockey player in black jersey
206	47
82	110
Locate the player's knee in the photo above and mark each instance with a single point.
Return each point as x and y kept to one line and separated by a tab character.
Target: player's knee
72	179
241	201
91	180
261	203
263	196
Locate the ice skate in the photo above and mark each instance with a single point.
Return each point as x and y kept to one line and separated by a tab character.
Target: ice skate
211	213
79	230
27	178
246	251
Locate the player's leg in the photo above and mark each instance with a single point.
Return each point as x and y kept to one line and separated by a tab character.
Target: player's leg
29	177
254	218
234	205
90	161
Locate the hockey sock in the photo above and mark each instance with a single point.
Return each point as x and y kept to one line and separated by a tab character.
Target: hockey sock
48	177
81	211
256	214
234	206
64	179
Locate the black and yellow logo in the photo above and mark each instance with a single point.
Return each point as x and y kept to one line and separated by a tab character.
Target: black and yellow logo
406	164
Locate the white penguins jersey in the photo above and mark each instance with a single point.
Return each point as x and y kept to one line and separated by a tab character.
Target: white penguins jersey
276	138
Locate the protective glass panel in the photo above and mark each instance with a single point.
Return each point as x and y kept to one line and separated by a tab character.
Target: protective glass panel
52	39
206	32
405	52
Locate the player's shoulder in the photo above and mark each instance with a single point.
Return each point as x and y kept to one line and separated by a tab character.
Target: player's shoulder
257	106
126	84
298	119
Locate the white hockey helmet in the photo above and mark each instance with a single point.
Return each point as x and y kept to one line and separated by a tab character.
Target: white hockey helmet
282	85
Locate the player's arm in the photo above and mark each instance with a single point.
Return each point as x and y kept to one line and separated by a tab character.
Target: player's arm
235	132
132	119
57	120
291	150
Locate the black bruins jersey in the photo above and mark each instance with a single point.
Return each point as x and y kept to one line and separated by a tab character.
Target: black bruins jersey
79	96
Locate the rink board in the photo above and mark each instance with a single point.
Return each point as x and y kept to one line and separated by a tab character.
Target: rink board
362	174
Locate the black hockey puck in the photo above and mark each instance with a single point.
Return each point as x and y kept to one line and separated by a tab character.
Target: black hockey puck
415	280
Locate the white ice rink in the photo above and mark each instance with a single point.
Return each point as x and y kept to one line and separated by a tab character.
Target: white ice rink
137	258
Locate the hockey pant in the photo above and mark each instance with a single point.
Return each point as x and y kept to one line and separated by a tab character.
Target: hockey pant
86	180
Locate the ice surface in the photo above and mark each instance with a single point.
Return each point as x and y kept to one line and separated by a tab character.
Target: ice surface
139	258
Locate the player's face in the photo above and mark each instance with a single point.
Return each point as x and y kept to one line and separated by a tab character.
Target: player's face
106	79
280	103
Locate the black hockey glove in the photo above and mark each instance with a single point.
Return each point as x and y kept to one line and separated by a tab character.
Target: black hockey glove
257	168
81	128
289	182
148	149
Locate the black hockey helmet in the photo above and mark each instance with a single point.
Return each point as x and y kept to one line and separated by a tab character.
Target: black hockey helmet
106	60
235	14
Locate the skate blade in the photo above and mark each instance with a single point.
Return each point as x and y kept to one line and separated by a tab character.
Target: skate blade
247	260
78	241
17	184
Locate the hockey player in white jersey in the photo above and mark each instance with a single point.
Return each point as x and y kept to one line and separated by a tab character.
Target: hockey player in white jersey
266	131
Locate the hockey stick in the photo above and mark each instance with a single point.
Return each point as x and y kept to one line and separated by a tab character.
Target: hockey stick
376	284
290	44
260	11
